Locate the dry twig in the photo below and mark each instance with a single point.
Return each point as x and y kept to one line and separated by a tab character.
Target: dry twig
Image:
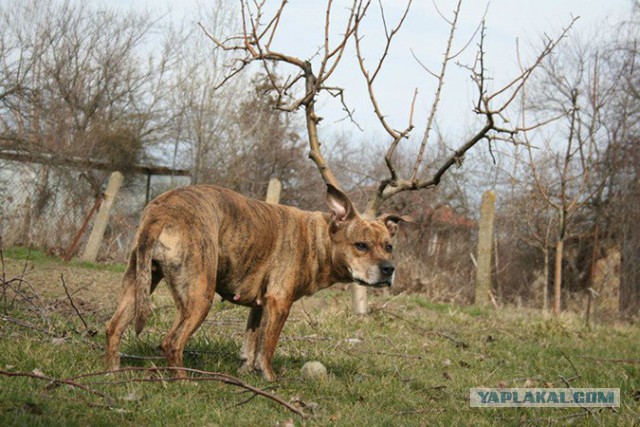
206	376
66	291
56	381
626	361
27	325
443	334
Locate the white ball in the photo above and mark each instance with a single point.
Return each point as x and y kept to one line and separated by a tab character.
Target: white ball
313	370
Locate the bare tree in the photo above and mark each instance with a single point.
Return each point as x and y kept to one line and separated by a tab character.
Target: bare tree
619	200
85	92
267	144
574	90
201	132
255	44
81	83
525	217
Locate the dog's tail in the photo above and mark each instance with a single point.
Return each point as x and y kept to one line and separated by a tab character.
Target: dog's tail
146	239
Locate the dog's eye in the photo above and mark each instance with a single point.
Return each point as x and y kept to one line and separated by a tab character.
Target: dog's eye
388	247
361	246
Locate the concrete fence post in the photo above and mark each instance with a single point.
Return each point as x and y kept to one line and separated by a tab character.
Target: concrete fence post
273	191
485	244
102	219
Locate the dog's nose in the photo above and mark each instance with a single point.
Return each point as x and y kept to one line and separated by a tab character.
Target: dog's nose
386	268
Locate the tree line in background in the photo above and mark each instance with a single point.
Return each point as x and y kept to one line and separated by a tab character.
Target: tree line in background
558	143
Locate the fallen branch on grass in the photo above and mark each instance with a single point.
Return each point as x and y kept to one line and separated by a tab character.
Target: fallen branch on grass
28	325
458	342
382	353
73	305
575	370
247	400
627	361
207	376
56	381
383	306
7	285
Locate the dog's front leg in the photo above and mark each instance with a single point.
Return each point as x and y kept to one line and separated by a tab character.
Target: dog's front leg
248	352
274	315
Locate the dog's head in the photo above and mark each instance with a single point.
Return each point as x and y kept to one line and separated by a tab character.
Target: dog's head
361	248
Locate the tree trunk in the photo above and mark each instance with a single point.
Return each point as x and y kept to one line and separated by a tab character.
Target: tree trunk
545	282
557	280
485	244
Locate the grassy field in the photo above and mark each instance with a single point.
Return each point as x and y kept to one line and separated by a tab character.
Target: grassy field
410	362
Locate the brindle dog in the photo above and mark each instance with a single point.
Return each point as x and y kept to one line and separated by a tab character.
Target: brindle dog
205	239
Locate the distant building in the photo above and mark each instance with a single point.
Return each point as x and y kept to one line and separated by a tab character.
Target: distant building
448	235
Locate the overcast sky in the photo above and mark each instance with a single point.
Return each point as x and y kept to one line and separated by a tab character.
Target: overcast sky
425	34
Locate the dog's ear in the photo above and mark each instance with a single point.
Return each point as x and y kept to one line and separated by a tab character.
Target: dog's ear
340	205
391	221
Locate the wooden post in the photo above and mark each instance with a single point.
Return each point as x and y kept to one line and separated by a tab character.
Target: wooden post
102	219
273	191
485	243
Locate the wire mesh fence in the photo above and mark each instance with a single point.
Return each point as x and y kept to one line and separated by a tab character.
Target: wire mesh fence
45	206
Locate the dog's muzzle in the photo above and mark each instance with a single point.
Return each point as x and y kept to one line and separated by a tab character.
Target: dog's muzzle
385	277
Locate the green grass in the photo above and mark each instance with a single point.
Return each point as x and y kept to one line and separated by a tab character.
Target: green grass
25	253
401	365
41	258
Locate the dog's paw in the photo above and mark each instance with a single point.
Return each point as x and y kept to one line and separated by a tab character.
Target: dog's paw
269	376
246	368
267	373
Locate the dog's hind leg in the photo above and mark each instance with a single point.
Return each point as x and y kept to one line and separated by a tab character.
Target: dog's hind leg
125	312
121	319
248	352
193	302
